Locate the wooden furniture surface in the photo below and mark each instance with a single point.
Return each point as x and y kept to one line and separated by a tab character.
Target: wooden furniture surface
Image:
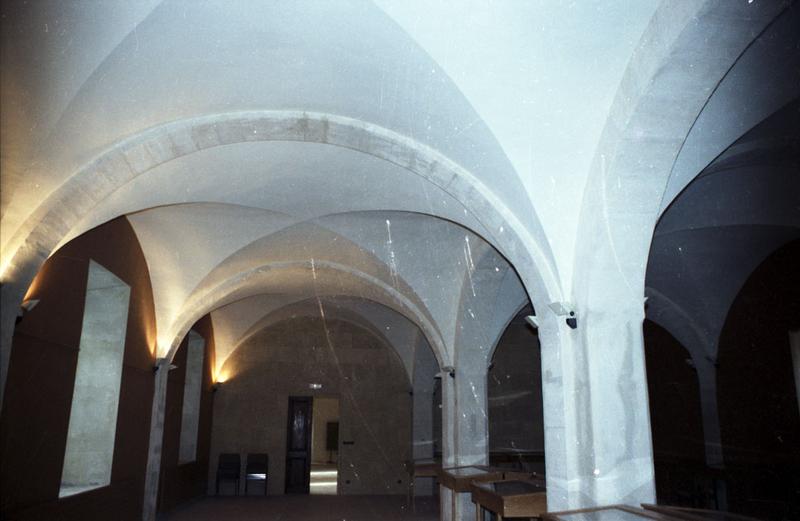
458	479
256	469
228	468
426	468
695	514
510	498
609	513
523	476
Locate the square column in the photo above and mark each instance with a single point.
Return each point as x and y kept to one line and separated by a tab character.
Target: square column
465	425
598	444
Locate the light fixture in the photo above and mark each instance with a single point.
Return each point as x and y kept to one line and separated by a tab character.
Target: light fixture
449	369
28	305
565	309
315	386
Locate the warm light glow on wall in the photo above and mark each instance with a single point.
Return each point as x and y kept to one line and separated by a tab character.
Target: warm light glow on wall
162	347
222	373
32	289
4	265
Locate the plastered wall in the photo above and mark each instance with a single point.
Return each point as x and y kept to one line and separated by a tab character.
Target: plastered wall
251	407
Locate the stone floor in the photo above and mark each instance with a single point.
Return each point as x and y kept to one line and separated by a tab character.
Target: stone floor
305	508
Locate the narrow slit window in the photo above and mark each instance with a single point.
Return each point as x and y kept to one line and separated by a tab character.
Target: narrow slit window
192	387
95	398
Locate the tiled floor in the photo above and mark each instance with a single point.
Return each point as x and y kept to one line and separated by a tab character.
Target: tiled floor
305	508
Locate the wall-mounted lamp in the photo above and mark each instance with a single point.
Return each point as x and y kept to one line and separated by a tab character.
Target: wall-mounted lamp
216	386
24	308
572	320
161	362
449	369
315	386
565	309
28	305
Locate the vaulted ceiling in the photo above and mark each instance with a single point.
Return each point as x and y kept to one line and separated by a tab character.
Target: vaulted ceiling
408	155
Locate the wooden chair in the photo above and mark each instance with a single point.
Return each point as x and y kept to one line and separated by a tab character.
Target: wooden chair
228	469
257	469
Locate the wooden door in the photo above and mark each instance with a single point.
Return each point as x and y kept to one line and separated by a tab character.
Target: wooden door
298	445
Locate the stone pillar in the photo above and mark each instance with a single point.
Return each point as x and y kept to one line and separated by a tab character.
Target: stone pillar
150	502
465	423
448	442
486	306
472	423
707	385
425	369
597	421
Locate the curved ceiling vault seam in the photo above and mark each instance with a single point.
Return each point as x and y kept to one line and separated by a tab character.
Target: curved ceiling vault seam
670	308
131	157
507	323
197	306
732	141
711	94
95	72
317	222
659	55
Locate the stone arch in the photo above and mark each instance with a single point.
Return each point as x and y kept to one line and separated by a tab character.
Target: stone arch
240	286
284	314
639	146
25	252
506	323
302	306
54	218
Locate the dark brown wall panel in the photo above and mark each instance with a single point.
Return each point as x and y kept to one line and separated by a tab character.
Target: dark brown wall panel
38	397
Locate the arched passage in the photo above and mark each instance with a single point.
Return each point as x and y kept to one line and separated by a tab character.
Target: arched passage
758	408
340	360
515	384
676	421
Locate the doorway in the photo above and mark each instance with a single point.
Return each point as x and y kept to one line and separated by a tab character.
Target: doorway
325	446
312	447
298	445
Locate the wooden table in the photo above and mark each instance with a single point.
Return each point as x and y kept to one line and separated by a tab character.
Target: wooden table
427	468
510	498
458	479
609	513
695	514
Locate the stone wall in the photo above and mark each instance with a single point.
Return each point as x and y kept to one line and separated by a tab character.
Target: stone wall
251	407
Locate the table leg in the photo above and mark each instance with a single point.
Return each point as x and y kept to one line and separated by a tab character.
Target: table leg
478	516
441	505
